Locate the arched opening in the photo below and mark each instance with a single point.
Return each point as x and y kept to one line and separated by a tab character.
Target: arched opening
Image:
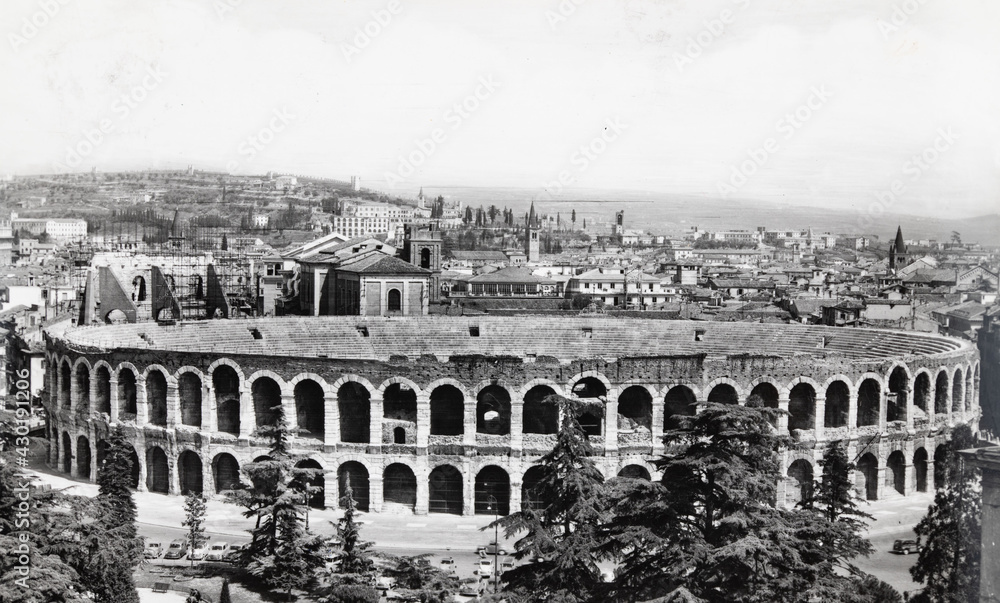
310	409
67	453
102	393
799	484
225	382
399	487
83	387
447	411
957	392
189	392
590	387
228	417
869	399
530	495
399	409
399	435
226	471
135	469
921	395
138	289
867	476
425	258
896	476
635	409
83	457
680	401
445	490
540	416
838	404
358	475
189	465
802	407
940	466
724	393
128	404
493	411
116	317
920	469
767	393
634	472
157	471
354	403
899	386
941	393
395	301
266	395
591	419
969	391
492	491
156	398
65	385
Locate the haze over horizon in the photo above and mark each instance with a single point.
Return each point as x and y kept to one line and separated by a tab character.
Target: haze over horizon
820	105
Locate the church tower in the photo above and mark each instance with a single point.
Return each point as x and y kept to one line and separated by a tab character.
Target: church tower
531	248
898	258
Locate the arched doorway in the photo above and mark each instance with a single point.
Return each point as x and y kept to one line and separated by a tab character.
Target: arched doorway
838	405
802	407
867	476
310	409
445	490
358	475
83	457
395	301
680	401
102	401
635	409
799	484
899	385
156	398
128	404
869	403
920	469
189	465
492	491
157	471
189	391
922	395
540	416
590	387
896	475
493	411
354	402
447	411
724	393
266	395
226	471
65	384
399	486
83	388
228	416
957	397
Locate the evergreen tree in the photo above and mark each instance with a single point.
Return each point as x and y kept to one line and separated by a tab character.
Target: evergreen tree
561	530
573	218
225	243
949	562
194	520
354	558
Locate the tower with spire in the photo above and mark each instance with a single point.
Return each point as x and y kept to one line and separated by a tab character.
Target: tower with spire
898	257
421	201
531	248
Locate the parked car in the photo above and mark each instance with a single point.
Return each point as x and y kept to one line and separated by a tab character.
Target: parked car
153	550
198	553
491	549
218	551
470	589
906	546
234	552
506	565
484	567
176	549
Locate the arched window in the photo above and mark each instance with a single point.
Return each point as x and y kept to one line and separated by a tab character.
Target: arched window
395	300
425	258
138	289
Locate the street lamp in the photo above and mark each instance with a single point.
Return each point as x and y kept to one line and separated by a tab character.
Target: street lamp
491	503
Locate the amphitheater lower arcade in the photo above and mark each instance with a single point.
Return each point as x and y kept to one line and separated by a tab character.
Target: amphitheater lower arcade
451	432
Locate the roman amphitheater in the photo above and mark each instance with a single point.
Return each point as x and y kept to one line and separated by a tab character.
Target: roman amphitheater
445	415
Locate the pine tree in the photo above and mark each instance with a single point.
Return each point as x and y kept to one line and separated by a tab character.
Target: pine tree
573	218
354	558
194	510
561	530
950	560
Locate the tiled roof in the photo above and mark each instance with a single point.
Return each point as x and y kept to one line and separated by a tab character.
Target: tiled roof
510	275
379	263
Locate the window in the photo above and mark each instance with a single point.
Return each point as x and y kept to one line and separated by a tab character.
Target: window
395	300
473	331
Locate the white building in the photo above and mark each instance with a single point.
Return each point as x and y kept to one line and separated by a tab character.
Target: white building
66	229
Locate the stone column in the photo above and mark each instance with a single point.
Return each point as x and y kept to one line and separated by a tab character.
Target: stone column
656	429
53	444
783	418
931	485
331	421
820	424
376	494
468	489
248	420
173	471
908	392
207	475
173	406
375	425
92	394
423	422
852	412
92	442
515	496
421	473
611	427
74	392
469	421
909	471
141	407
883	406
209	420
880	482
140	447
516	426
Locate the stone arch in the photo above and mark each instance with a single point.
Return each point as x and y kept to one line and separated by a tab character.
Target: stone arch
399	486
899	392
189	388
237	371
896	471
869	402
867	476
266	394
680	400
635	409
799	481
724	391
540	416
942	389
922	394
399	403
360	483
445	487
226	472
394	300
589	384
102	388
802	406
310	408
957	391
65	383
492	484
530	496
226	380
156	397
493	410
768	391
920	469
83	466
82	376
838	404
128	390
447	410
190	472
354	404
635	472
157	470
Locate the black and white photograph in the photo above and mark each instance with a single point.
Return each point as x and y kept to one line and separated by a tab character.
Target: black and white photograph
520	301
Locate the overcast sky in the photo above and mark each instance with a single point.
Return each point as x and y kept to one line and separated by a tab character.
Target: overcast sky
811	102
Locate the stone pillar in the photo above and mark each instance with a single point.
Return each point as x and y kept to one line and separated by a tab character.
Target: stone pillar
173	405
656	429
515	496
611	427
852	412
469	420
423	422
376	494
173	471
248	420
73	472
931	485
209	419
141	407
207	474
421	472
289	413
331	421
883	406
820	418
908	392
92	394
783	417
468	489
880	483
74	392
53	444
516	426
375	425
140	447
92	442
909	471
